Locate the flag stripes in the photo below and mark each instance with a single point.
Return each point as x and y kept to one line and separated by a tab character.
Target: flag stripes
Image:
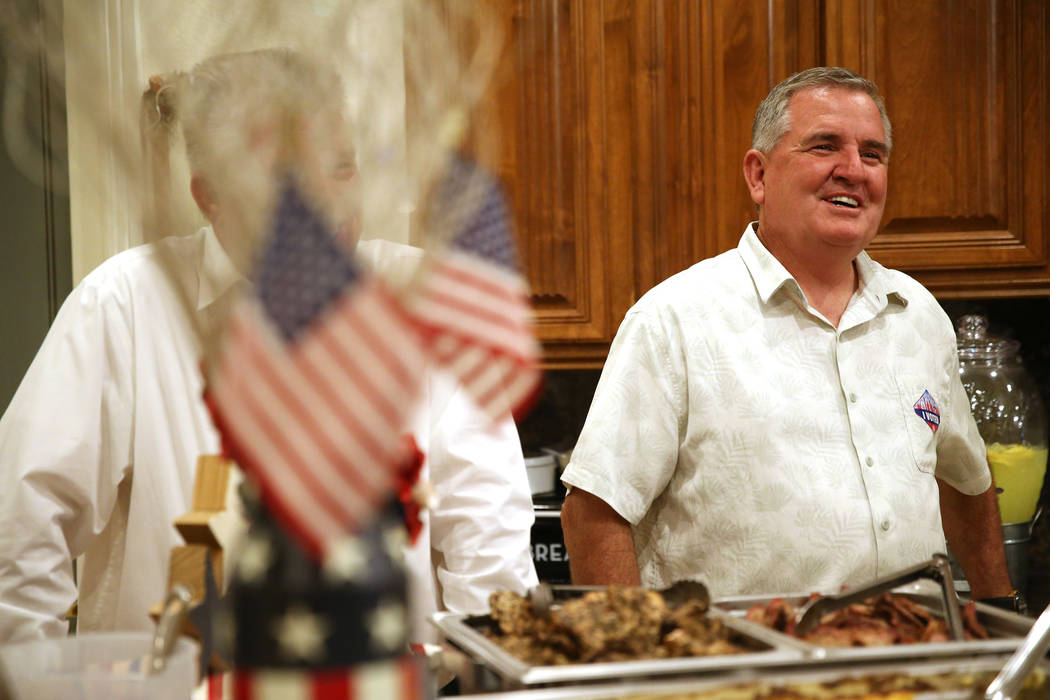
480	327
319	421
398	679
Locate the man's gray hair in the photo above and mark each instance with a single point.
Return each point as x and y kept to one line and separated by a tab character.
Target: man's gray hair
773	119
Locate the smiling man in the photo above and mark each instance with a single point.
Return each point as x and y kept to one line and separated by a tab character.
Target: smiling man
787	416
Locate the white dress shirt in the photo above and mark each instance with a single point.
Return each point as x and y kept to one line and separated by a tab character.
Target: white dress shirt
476	539
99	444
753	445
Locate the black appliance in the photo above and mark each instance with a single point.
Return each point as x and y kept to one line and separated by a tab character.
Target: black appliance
548	543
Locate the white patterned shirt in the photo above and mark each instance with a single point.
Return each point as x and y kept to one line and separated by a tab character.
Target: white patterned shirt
753	445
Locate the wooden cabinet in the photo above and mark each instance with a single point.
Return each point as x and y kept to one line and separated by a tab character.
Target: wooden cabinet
966	85
622	126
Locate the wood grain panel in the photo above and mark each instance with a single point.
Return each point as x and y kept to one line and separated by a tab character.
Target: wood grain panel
546	105
709	65
965	83
620	127
738	69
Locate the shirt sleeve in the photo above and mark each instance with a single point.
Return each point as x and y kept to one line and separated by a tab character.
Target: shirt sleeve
962	462
628	448
482	518
64	446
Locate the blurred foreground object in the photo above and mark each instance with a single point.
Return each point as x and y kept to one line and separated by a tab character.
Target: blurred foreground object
473	303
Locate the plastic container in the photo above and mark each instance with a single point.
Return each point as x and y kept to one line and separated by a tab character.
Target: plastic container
541	473
102	665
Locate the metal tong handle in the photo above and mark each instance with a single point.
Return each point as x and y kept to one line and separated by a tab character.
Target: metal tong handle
1021	663
176	607
937	568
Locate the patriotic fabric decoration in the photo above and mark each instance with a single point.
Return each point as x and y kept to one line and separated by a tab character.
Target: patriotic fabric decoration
396	680
330	628
399	678
926	408
472	302
312	388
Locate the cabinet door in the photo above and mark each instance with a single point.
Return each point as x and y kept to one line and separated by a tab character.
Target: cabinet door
541	127
966	85
622	126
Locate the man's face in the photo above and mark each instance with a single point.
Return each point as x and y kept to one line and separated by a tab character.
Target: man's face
823	186
334	177
244	183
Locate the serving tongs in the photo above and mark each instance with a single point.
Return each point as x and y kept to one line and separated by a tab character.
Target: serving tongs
1035	645
938	568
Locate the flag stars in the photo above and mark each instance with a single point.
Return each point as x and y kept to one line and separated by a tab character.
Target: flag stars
387	626
255	559
395	539
347	560
303	269
301	634
225	630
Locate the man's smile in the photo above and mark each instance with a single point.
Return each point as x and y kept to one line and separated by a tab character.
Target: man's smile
844	201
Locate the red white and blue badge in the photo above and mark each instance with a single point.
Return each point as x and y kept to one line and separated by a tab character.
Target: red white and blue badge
926	408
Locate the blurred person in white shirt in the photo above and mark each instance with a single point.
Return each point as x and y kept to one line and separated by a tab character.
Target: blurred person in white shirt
99	444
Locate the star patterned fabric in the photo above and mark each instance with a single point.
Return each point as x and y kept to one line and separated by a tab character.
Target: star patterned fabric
327	628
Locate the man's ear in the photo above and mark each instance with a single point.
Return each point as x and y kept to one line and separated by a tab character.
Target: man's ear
755	175
204	196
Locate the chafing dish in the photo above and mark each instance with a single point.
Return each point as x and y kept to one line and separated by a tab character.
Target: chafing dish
956	679
775	655
1005	629
498	669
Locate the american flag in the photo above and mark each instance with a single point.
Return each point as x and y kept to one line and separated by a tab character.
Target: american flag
472	303
312	387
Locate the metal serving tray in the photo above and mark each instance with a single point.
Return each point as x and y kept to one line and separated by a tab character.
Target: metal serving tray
466	632
1006	629
980	670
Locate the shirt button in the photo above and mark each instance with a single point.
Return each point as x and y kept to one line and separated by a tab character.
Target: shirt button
869	461
885	525
852	397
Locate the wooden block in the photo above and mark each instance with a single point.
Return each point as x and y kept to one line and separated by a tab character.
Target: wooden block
205	523
195	528
187	567
210	483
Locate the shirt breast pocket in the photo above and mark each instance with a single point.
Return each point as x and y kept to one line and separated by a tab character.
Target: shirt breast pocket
921	412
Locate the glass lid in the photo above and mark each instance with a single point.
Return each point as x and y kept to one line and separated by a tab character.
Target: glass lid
976	344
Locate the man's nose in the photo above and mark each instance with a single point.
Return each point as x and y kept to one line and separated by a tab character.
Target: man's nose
849	166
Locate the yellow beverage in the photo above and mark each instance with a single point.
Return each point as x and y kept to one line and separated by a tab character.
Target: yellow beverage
1018	470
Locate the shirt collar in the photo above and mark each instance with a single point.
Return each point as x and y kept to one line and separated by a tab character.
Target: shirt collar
876	287
876	284
766	271
216	273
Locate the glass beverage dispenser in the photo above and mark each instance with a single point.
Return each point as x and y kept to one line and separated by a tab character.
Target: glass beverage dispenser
1012	420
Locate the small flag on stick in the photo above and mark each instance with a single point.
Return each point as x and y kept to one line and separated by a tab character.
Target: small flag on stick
472	301
313	386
